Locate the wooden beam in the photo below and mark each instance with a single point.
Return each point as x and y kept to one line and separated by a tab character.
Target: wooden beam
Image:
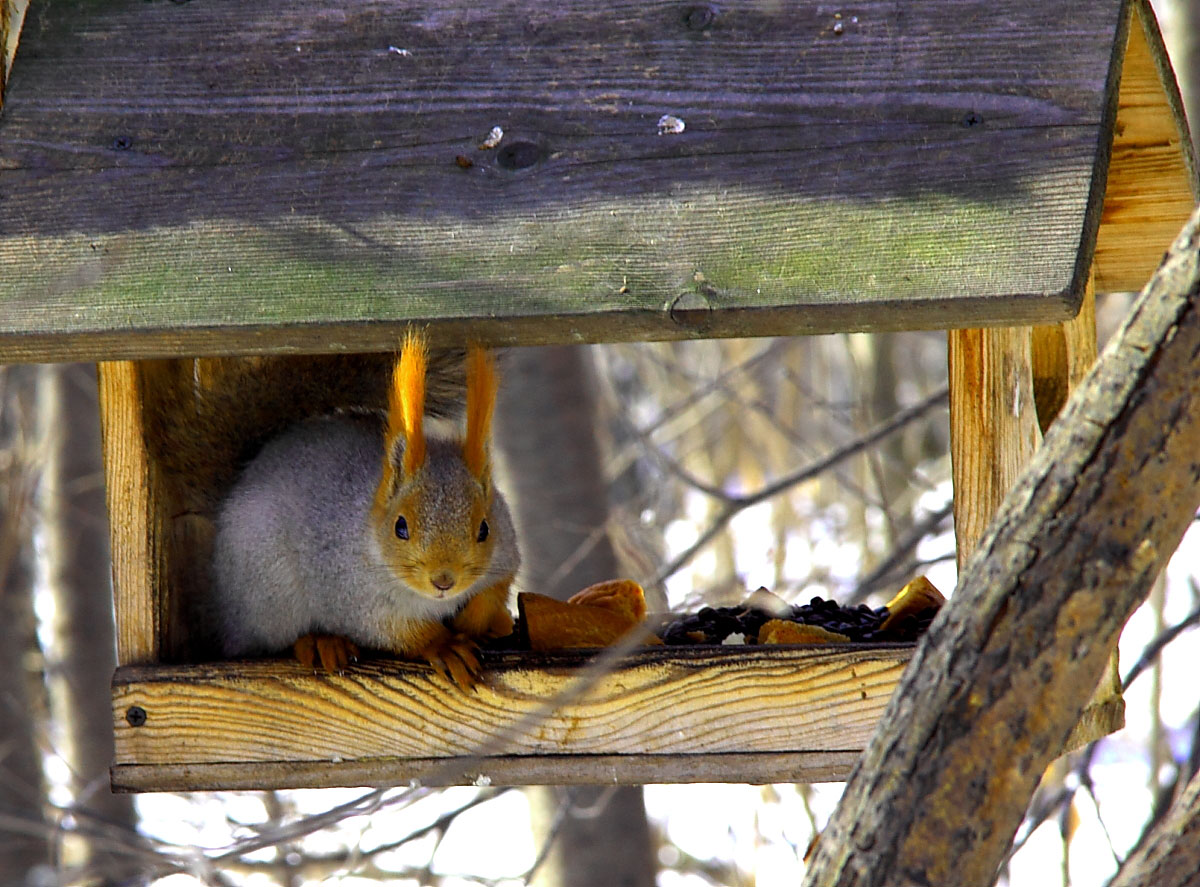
762	713
993	424
503	769
1061	356
1152	175
134	515
623	769
288	177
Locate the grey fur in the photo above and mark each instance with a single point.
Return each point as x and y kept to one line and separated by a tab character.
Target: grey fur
295	553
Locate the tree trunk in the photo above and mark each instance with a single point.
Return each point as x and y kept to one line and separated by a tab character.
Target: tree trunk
24	832
556	481
546	425
1005	670
75	533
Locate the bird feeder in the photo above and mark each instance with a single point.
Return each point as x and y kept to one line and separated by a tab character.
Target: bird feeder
183	185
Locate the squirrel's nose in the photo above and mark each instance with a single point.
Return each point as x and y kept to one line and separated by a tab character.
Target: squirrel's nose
443	580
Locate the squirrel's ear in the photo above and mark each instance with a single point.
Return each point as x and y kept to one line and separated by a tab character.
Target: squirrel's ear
482	383
406	407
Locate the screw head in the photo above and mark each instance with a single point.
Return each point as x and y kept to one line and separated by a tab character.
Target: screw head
135	715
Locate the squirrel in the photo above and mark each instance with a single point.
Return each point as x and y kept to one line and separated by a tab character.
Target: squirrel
360	528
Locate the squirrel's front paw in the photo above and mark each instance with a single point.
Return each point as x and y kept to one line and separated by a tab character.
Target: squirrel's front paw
454	659
334	652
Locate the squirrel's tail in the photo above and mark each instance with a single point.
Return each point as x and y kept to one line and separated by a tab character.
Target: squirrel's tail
207	417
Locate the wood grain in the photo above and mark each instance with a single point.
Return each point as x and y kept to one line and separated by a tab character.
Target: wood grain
235	718
993	424
218	179
1061	355
1006	388
1152	180
133	511
624	769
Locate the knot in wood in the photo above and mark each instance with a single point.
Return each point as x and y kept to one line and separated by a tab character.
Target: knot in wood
690	309
699	17
518	155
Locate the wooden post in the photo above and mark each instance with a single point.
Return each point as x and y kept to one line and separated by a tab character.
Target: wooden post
993	428
1006	387
130	488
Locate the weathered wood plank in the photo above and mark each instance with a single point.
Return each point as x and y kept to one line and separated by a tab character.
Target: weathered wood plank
235	718
211	178
751	767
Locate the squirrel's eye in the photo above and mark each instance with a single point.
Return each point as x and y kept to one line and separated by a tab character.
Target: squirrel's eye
401	528
483	531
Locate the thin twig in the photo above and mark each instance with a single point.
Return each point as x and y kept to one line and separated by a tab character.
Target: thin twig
1154	648
735	504
902	549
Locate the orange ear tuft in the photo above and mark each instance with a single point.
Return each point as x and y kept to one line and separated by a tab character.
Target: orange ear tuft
482	383
406	403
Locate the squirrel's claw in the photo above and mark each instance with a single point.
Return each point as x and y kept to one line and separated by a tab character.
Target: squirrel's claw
456	661
334	652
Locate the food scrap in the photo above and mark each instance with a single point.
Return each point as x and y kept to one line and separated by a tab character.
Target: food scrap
495	134
602	614
598	616
781	631
763	616
669	124
916	603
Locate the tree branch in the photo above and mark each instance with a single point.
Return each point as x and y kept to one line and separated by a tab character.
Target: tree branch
1155	647
734	504
1001	677
896	562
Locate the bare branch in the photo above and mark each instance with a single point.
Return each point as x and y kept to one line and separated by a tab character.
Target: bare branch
736	504
1152	651
895	562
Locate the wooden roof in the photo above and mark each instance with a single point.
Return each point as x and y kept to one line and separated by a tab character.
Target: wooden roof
222	178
